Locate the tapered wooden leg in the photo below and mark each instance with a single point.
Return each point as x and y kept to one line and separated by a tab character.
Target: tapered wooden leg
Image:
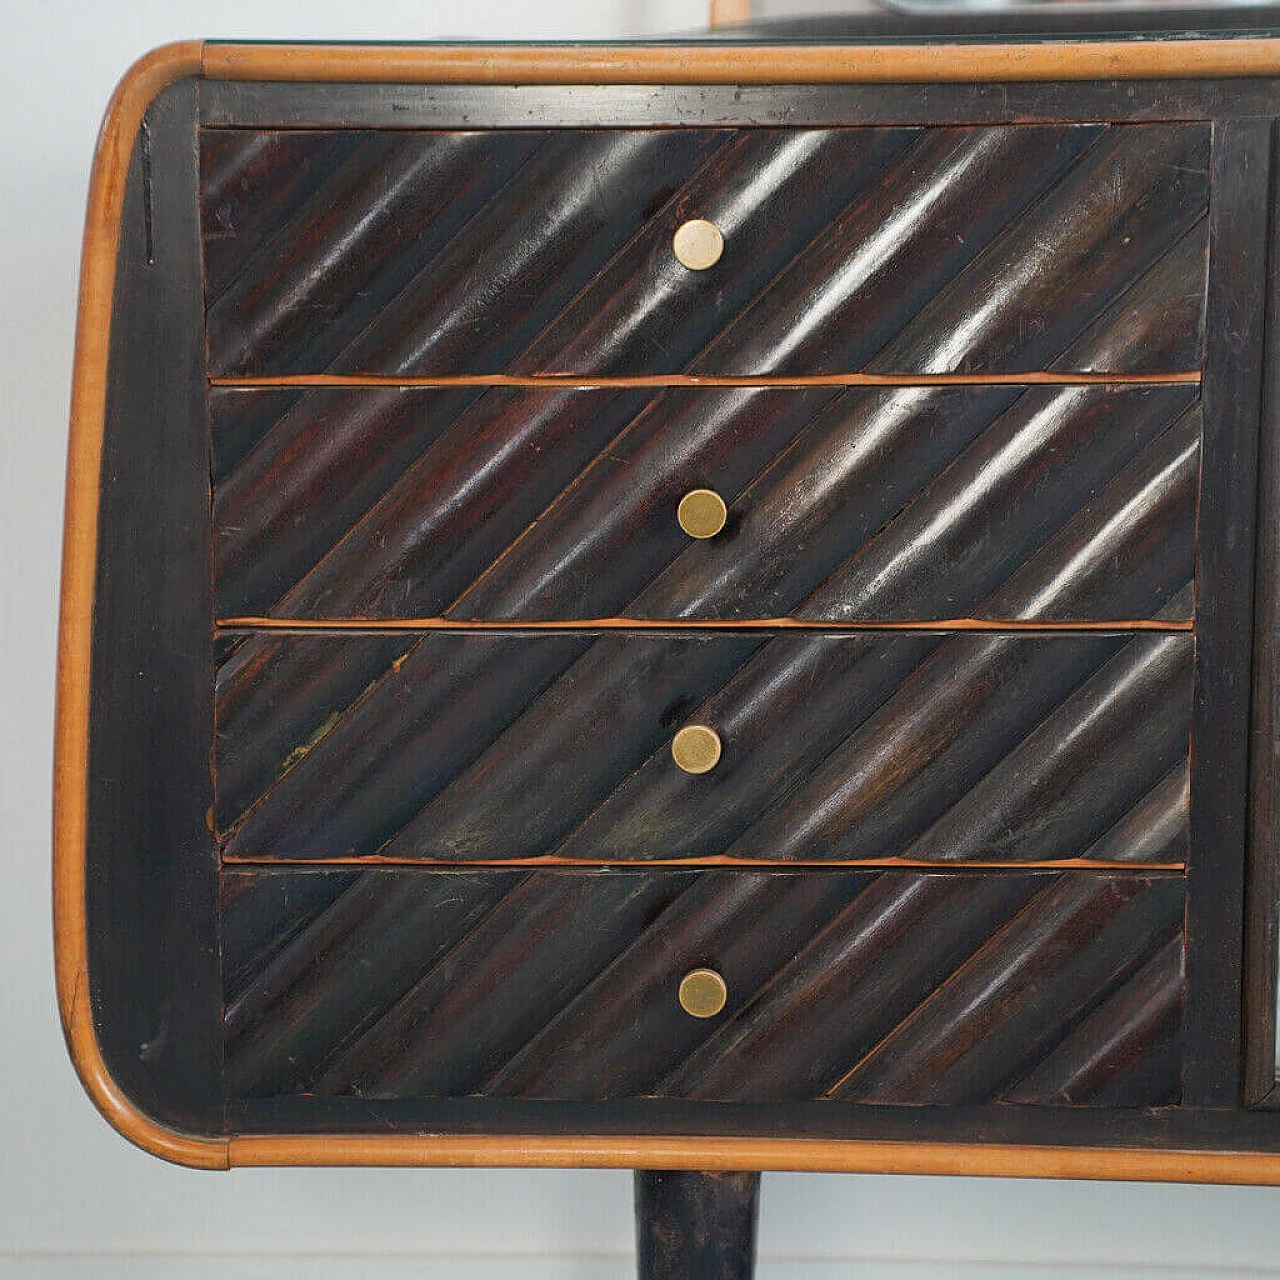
696	1226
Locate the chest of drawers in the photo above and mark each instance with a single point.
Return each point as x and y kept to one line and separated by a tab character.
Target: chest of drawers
685	608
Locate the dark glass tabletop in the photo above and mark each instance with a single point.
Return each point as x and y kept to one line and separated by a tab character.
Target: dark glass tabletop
963	22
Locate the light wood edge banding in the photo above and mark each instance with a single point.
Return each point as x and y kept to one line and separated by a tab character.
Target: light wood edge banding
800	1155
474	64
523	626
745	64
587	381
380	862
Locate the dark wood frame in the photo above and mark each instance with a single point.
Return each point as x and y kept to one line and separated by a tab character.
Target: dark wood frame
1262	893
1231	393
1211	1140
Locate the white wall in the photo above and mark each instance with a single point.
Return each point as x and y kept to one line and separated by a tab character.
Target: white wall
77	1200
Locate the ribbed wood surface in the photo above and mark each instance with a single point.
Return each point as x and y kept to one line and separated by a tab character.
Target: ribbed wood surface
942	249
1075	248
892	987
925	746
914	503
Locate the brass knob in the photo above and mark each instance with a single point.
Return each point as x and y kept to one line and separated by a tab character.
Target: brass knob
698	244
703	993
702	513
696	748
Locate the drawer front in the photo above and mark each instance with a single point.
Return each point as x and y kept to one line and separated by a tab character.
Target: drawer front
854	986
928	746
981	249
1061	503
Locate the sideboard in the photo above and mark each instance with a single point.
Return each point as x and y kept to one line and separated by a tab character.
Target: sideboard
692	607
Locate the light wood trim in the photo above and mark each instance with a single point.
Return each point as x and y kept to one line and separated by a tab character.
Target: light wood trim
136	91
751	1154
383	862
729	13
1036	378
746	64
513	65
684	624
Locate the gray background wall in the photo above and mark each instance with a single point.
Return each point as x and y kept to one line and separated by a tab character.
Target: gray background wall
76	1200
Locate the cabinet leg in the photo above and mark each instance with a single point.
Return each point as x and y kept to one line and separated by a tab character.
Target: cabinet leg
696	1226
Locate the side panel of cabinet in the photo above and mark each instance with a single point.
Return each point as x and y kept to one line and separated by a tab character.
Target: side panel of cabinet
151	863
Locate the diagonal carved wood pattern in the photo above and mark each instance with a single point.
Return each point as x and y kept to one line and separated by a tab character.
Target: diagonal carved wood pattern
858	986
913	503
978	249
1080	249
931	747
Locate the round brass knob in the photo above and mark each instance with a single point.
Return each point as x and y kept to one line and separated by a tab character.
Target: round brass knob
696	748
703	993
698	244
702	513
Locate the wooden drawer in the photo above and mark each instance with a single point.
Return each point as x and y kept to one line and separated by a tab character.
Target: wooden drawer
856	986
844	504
975	249
929	747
